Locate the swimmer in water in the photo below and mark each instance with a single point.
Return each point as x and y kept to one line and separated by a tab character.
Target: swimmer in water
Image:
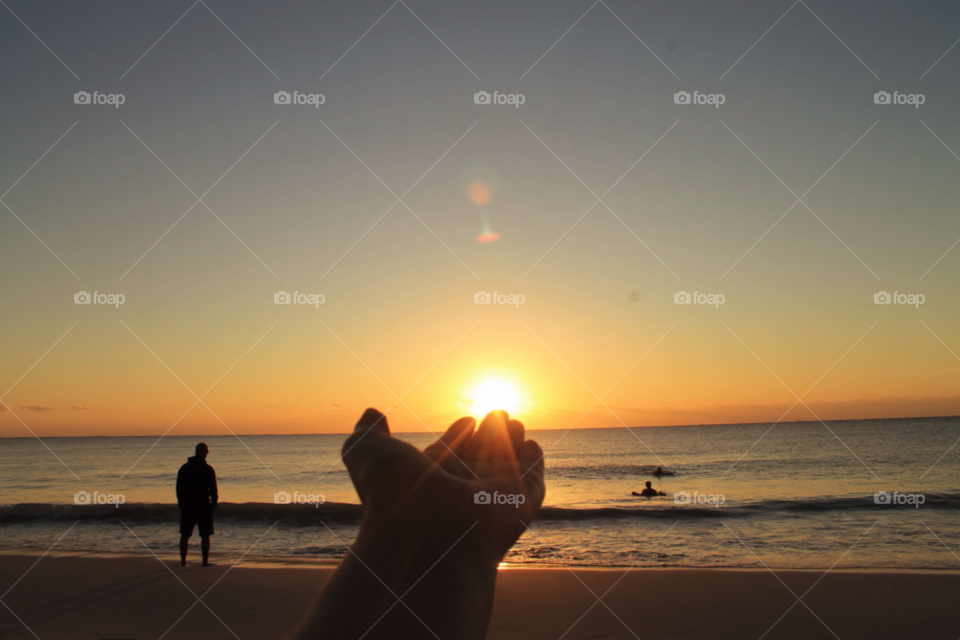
648	492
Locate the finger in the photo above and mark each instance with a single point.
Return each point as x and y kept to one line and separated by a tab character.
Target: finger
492	440
455	440
515	431
458	435
530	457
530	461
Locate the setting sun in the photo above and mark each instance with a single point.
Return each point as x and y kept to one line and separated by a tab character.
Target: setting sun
494	394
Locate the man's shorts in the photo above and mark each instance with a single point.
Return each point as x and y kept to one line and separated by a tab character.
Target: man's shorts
202	519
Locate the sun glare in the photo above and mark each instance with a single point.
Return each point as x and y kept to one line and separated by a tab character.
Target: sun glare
494	394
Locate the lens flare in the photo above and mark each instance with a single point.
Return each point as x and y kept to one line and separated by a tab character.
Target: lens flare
479	193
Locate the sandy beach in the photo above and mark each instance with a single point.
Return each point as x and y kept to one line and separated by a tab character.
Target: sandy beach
97	597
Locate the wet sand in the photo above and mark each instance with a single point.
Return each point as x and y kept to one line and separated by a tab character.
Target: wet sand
99	597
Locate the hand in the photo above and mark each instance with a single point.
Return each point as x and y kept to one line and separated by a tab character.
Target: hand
434	490
424	539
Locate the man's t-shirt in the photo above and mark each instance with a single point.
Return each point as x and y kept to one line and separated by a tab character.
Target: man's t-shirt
197	486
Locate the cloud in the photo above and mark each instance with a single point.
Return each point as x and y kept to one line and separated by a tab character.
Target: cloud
81	407
3	407
35	407
336	405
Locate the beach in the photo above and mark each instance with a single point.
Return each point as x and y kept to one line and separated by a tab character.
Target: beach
87	596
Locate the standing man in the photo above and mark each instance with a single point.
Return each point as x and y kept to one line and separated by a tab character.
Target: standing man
197	498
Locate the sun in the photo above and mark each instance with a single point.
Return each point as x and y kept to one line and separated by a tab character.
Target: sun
494	394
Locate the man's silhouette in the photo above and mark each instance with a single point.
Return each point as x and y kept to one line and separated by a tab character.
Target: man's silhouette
197	498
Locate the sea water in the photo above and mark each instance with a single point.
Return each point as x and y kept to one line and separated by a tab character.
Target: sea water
797	495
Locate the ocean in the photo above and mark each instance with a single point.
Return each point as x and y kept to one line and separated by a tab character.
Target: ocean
796	495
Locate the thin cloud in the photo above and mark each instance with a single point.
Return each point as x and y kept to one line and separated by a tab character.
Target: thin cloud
81	407
35	407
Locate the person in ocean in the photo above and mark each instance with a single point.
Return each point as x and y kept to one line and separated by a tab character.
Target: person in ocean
648	492
197	498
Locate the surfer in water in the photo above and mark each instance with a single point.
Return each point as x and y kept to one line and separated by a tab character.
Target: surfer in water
648	492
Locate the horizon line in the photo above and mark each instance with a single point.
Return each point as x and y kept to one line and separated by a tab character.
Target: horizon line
664	426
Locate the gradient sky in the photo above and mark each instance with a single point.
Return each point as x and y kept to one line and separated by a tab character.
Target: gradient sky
599	317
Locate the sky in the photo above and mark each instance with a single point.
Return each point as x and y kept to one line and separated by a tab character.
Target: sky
199	199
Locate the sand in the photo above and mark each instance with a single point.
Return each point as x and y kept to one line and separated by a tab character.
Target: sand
102	597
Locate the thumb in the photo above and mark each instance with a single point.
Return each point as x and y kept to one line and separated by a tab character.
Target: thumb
372	419
370	428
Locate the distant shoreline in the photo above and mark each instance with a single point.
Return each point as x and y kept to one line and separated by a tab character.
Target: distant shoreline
346	433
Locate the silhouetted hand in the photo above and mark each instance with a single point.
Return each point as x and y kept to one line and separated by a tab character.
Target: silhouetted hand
427	539
444	488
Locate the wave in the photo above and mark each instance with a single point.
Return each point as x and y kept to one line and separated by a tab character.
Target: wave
147	513
666	508
337	512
